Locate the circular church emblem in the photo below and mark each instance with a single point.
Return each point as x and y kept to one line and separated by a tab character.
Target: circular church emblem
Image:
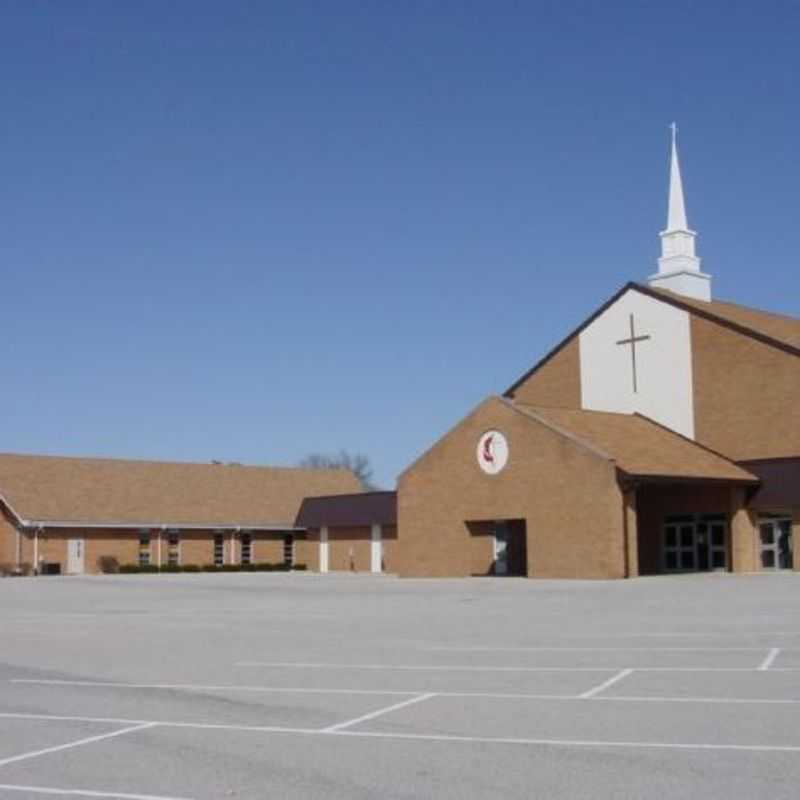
492	452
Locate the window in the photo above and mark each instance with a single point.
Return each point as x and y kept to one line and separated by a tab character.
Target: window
247	548
288	550
219	549
173	548
144	548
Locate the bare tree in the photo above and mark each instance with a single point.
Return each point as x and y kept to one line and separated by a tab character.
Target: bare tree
357	463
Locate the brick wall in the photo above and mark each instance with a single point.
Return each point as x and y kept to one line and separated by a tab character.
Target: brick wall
569	498
745	394
557	383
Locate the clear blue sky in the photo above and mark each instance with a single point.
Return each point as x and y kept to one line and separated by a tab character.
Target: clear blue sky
250	231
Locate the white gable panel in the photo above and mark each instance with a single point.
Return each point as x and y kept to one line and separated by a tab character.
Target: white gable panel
663	389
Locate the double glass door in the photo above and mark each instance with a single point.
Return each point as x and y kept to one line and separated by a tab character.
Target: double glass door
695	543
775	533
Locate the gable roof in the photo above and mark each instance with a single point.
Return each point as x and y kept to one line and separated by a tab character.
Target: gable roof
116	492
639	446
348	510
776	330
779	328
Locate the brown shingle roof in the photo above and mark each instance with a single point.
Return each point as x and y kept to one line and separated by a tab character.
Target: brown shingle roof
119	492
639	447
775	326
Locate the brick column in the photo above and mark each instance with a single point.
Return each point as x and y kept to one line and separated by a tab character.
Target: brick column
631	523
743	535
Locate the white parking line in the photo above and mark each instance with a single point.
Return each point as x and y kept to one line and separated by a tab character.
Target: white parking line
423	737
52	790
770	659
379	713
577	649
402	693
418	667
574	742
474	668
606	684
78	743
191	687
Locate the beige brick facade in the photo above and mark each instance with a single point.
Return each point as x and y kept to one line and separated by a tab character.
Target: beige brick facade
568	496
745	394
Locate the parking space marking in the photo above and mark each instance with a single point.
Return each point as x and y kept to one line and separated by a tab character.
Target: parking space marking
606	684
419	667
448	738
581	743
577	649
191	687
379	713
770	659
476	668
592	693
52	790
77	743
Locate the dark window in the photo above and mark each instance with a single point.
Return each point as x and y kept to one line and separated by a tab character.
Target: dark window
173	548
219	549
247	548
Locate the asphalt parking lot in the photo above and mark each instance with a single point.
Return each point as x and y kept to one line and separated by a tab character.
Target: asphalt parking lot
346	686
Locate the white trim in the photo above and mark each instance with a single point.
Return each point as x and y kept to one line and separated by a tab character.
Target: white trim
191	526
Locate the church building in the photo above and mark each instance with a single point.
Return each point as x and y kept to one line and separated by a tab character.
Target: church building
662	435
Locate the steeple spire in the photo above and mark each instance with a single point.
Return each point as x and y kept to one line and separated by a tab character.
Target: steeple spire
679	267
676	219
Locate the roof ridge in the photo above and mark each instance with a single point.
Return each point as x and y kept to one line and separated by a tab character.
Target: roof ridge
740	327
151	461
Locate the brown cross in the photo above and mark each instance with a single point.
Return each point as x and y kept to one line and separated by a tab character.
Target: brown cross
632	342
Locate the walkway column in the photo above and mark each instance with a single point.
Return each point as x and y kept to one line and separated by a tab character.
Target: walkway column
631	522
376	550
743	535
323	549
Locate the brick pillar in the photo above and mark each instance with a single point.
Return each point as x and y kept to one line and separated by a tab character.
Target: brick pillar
631	533
743	535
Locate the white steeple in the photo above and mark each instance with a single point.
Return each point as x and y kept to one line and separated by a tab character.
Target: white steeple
679	267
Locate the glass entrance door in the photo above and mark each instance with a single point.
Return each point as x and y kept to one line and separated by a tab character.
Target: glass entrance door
695	543
775	533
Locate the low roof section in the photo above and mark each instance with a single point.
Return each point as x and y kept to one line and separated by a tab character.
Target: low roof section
349	510
101	492
640	447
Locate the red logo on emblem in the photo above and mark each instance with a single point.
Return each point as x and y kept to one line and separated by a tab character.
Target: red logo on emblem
488	455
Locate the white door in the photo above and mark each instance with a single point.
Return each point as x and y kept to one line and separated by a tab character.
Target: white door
323	549
75	548
376	550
